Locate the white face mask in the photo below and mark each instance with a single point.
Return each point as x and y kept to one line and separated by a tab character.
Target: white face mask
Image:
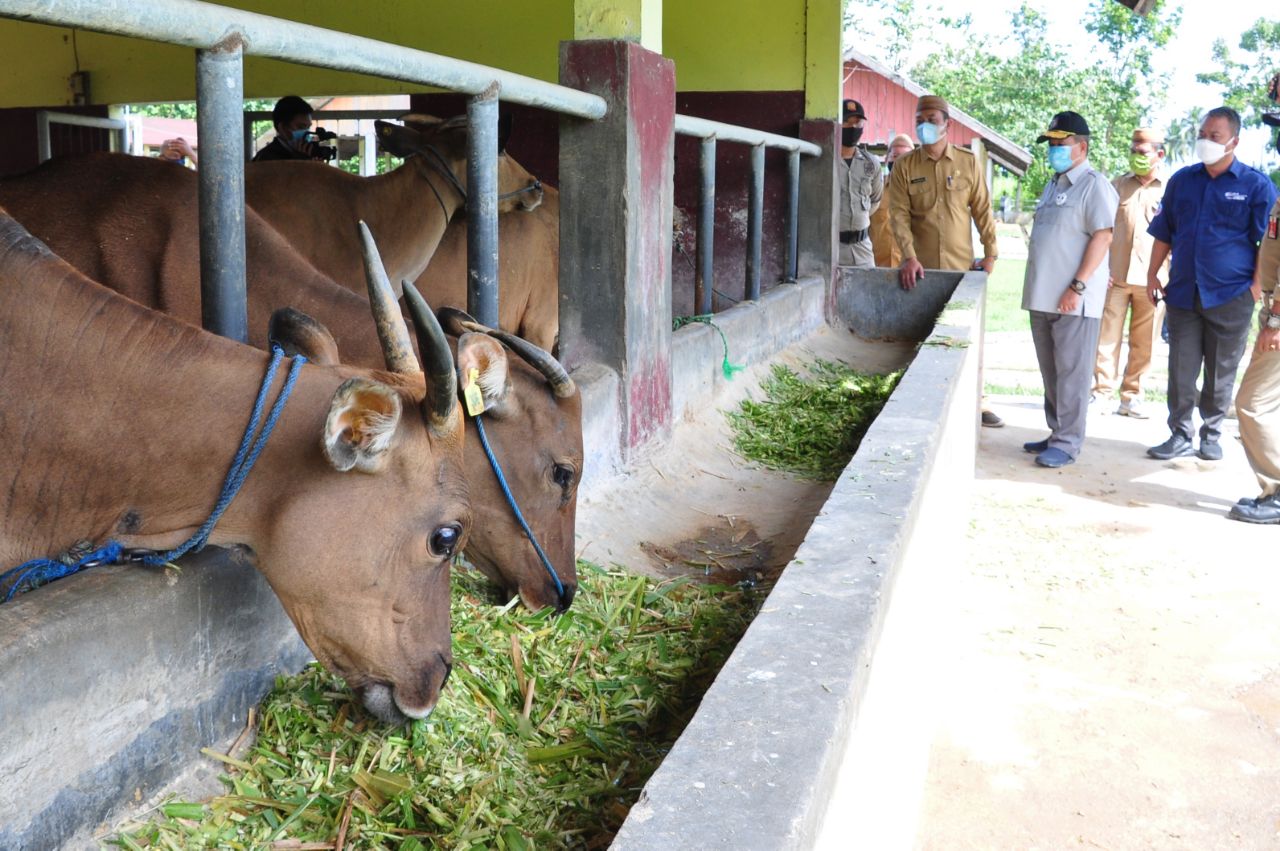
1209	151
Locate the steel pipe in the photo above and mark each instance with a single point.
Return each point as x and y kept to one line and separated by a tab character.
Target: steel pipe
704	267
203	25
687	125
219	101
45	117
482	206
755	222
791	269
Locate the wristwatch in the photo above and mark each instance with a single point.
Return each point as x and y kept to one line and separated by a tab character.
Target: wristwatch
1077	285
1273	320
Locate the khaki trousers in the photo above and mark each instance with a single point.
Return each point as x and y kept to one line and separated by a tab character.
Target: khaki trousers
1258	409
1144	325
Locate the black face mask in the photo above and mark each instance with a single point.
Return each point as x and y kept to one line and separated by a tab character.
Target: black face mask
849	136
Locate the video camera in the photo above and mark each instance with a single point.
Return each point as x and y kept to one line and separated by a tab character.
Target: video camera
320	151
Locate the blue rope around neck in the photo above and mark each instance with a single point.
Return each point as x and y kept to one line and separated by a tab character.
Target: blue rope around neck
40	571
511	501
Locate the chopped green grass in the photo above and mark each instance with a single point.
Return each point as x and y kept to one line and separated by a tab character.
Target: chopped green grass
810	426
547	731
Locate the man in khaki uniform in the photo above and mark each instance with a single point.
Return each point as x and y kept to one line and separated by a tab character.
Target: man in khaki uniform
886	250
1140	191
861	187
934	193
1258	402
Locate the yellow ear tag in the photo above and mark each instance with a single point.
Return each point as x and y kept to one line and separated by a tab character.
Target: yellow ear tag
471	393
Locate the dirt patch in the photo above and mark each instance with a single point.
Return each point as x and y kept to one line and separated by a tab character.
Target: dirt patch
728	555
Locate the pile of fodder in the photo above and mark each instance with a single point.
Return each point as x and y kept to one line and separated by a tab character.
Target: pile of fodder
810	424
549	727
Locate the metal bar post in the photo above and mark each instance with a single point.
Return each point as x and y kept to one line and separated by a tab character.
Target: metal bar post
482	206
219	103
704	274
793	217
755	224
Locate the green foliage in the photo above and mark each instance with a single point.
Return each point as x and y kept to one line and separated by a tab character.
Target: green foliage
548	730
187	109
1016	83
1243	81
894	26
810	426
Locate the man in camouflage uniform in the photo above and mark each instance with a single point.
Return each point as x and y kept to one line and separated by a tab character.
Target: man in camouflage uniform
861	185
1258	402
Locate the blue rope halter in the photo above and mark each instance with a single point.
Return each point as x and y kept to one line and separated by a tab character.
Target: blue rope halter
42	570
511	501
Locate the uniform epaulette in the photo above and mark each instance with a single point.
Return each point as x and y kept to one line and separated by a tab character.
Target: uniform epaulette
963	150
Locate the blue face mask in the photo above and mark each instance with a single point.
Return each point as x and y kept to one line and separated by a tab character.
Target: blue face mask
1060	157
299	135
927	133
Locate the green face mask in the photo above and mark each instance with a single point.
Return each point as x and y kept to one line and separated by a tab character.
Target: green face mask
1140	163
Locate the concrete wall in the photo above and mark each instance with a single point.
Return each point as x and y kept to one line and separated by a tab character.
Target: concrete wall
872	304
762	761
115	678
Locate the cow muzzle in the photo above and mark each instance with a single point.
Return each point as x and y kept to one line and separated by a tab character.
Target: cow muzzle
397	704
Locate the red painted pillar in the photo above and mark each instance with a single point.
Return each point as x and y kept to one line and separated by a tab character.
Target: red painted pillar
616	178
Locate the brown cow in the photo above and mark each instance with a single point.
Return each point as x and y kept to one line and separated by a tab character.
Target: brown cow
117	421
528	274
316	208
132	224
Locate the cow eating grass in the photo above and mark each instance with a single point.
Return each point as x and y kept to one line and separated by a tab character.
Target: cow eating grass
131	224
118	422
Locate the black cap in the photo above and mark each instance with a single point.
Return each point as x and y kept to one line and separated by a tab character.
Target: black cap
1065	124
852	109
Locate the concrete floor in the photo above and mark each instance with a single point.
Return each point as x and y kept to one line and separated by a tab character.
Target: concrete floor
1113	649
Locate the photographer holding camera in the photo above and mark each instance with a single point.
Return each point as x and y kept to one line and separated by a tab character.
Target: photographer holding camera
294	139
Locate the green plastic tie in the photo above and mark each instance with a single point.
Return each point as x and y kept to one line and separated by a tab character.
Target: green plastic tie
729	369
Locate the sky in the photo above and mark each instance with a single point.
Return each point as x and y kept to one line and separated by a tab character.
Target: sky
1190	51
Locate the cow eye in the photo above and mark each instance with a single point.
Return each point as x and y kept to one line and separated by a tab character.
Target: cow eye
444	541
562	475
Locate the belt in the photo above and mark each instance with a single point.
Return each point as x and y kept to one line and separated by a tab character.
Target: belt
853	236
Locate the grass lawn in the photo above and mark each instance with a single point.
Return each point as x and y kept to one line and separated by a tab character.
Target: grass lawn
1004	297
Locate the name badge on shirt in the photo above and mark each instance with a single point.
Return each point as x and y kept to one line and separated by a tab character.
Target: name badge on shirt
919	180
1060	198
1236	196
1273	227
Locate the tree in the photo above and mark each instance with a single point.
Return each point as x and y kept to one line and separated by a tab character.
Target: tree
894	26
1180	138
1244	83
1016	83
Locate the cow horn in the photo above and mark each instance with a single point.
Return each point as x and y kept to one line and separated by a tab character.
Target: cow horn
458	321
437	361
397	348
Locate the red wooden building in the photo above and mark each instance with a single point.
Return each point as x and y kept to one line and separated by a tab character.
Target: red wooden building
890	103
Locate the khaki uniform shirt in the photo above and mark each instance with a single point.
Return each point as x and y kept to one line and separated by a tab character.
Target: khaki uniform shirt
1131	244
931	203
861	186
1269	253
1075	205
882	243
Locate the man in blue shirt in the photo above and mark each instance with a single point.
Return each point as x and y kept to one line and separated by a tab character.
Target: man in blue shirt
1212	218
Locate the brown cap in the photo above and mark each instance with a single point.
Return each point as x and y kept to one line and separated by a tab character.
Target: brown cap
902	137
932	102
1148	134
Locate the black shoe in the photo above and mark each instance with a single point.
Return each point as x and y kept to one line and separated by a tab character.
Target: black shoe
1210	451
1175	447
991	420
1035	447
1265	510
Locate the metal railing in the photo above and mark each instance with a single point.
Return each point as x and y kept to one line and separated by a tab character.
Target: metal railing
118	128
222	37
711	132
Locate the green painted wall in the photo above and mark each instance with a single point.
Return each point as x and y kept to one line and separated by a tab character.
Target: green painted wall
516	35
717	45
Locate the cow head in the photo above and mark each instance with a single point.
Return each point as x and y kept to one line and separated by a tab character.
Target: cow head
533	419
436	145
361	560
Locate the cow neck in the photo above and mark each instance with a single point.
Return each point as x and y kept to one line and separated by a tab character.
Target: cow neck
141	451
407	242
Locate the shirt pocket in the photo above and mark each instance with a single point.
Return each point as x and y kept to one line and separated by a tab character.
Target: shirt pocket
1229	213
922	196
1053	214
959	185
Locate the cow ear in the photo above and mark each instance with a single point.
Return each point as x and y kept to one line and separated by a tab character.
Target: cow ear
488	358
361	425
299	334
504	131
398	140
